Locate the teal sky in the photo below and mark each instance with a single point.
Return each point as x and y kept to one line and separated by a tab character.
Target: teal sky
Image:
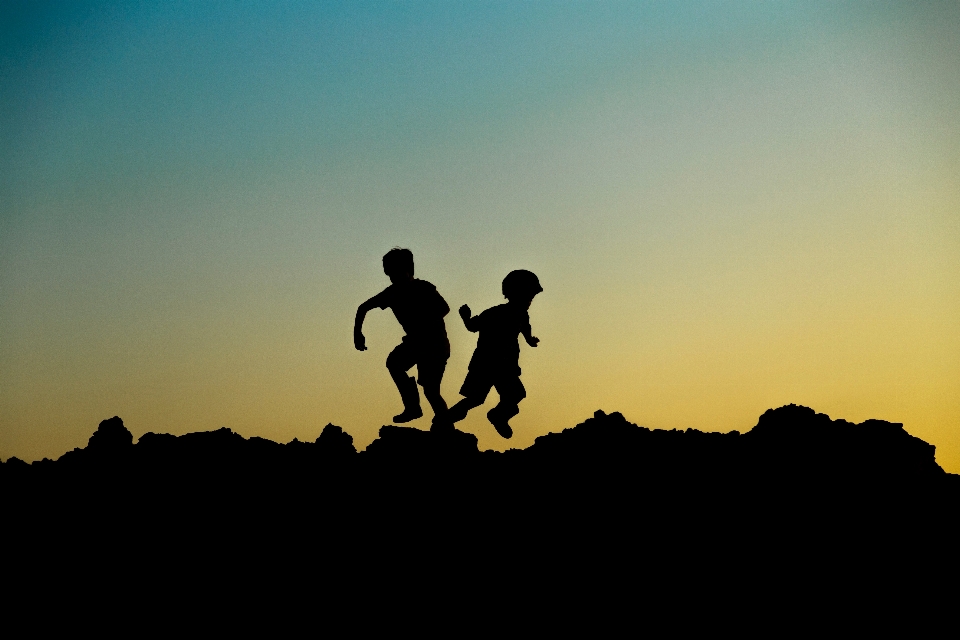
731	205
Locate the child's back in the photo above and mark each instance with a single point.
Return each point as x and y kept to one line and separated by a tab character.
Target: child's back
420	309
498	345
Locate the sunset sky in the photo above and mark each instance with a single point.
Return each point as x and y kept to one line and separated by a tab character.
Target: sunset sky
731	206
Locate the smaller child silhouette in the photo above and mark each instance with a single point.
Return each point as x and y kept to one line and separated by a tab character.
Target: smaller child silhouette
496	360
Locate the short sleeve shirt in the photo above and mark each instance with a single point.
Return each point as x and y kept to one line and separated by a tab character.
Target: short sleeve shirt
419	308
498	345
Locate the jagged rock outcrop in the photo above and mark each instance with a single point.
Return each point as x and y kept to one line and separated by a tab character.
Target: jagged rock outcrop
334	442
797	493
798	440
395	442
111	437
788	443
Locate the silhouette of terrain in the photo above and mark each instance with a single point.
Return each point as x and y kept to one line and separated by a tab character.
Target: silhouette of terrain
796	494
790	446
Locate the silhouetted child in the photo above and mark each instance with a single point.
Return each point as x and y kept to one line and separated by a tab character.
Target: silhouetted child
420	310
496	360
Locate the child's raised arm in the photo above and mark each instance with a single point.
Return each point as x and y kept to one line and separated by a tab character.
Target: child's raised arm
468	320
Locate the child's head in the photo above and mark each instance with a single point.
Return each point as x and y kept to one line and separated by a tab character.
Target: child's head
398	263
521	286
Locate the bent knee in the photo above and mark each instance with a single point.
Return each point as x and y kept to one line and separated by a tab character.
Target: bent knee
430	390
395	363
513	395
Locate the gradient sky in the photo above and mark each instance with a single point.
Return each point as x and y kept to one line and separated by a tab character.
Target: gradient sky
732	206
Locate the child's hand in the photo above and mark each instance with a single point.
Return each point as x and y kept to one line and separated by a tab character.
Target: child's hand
359	341
465	312
533	341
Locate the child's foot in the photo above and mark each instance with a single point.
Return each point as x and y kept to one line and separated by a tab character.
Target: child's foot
408	415
457	412
441	425
500	423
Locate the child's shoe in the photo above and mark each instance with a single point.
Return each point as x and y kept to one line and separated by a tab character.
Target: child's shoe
411	401
500	423
408	415
456	413
441	424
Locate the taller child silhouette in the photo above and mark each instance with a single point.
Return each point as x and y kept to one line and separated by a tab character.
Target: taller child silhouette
420	309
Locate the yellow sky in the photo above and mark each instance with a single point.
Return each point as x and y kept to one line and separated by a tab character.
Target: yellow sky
729	210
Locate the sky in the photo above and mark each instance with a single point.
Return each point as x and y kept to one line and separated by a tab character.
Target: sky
731	206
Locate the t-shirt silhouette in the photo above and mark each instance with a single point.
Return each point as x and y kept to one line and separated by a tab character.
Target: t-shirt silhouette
419	308
498	347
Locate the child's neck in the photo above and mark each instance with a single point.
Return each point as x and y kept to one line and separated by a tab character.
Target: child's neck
519	304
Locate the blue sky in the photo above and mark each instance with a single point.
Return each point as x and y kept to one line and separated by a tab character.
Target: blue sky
732	206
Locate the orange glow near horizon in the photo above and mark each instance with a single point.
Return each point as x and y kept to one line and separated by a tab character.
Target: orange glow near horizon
729	211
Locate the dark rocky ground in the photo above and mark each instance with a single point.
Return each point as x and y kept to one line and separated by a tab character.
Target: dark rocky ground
797	497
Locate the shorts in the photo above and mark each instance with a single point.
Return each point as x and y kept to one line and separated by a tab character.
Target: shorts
430	363
478	382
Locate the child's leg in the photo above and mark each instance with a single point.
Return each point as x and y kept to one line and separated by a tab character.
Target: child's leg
429	373
437	403
459	411
474	390
398	363
503	411
511	392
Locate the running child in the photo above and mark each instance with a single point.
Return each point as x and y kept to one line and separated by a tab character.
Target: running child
420	309
496	360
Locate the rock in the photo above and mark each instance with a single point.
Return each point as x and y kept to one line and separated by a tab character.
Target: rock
110	437
334	441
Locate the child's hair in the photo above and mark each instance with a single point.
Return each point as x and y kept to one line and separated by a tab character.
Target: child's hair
521	284
398	261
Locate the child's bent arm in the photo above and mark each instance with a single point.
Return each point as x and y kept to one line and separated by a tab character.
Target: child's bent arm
531	339
358	340
469	321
